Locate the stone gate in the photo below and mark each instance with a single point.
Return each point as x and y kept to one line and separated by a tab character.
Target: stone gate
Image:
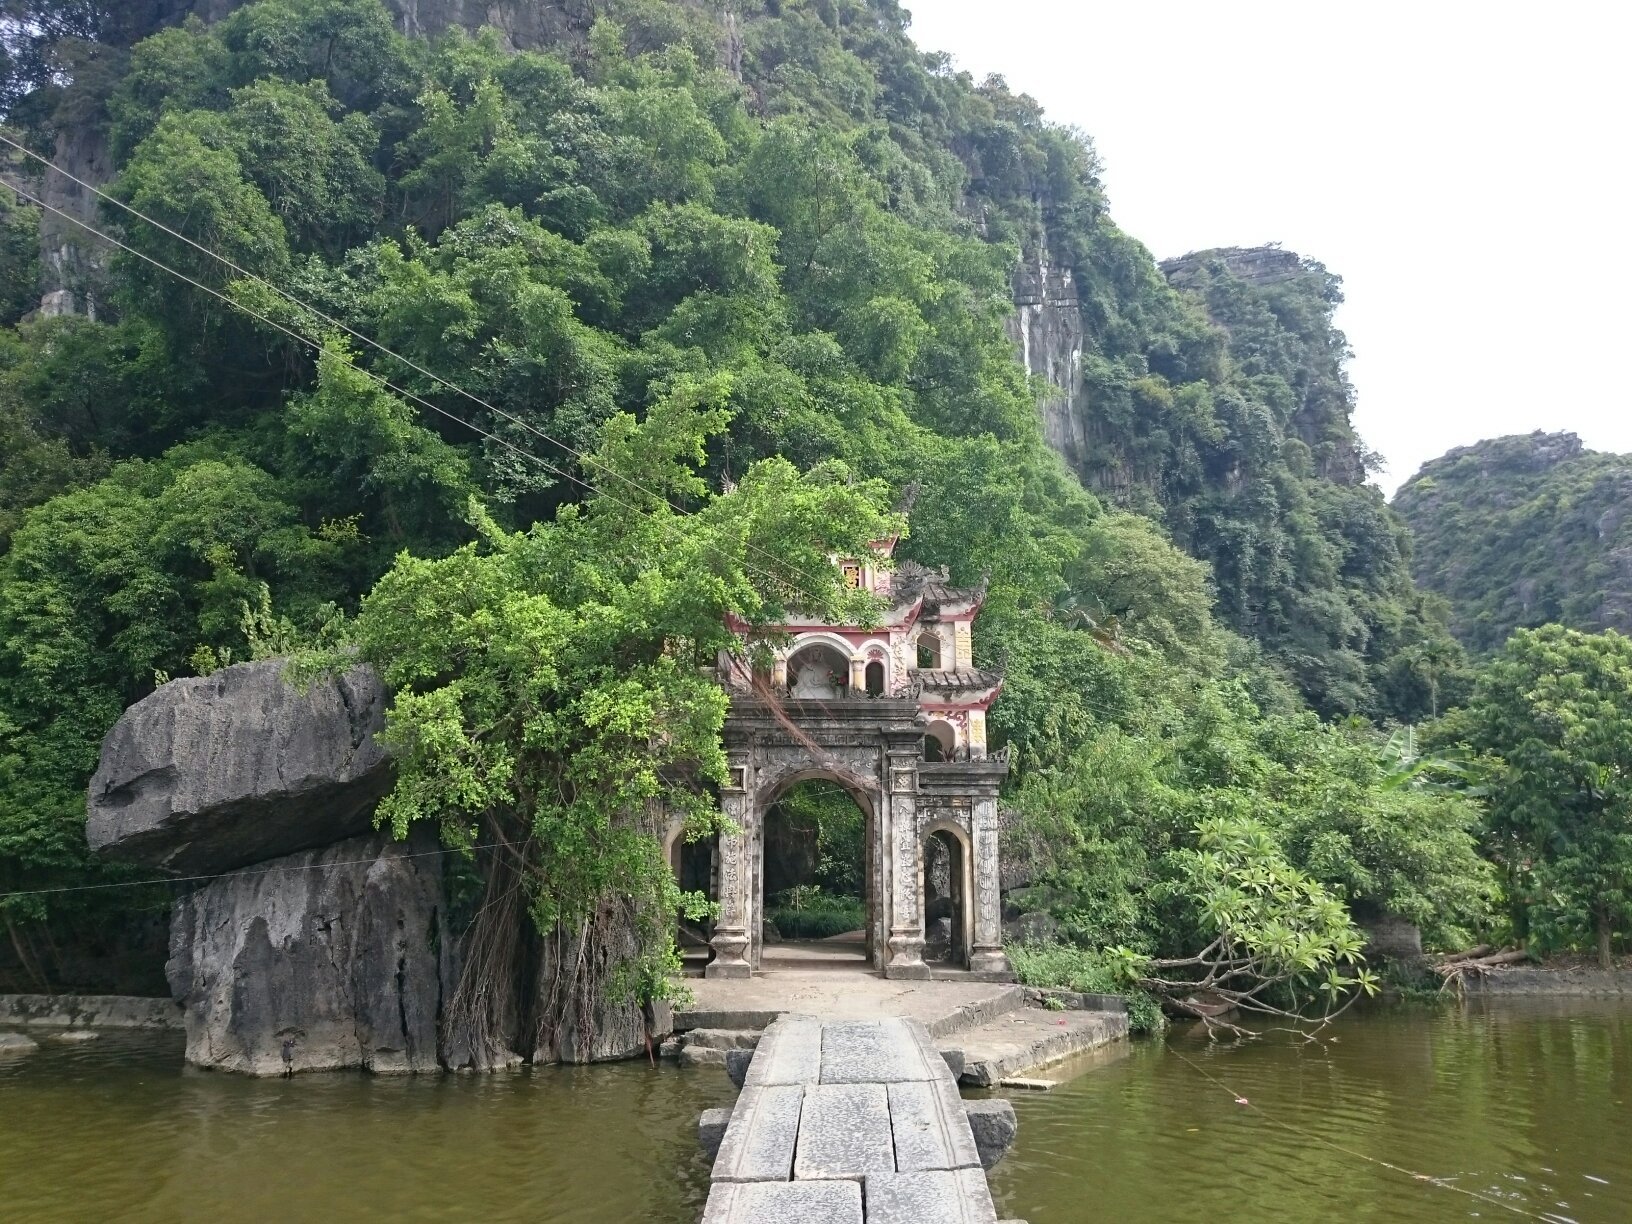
894	715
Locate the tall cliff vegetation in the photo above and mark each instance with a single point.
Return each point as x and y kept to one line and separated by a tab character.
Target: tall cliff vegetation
784	208
1522	531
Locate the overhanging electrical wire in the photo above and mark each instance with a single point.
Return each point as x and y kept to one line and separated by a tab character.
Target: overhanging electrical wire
773	579
244	871
1442	1183
582	457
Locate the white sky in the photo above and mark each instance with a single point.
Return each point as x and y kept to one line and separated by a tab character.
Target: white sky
1463	167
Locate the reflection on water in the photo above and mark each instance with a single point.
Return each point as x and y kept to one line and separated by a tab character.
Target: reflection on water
1524	1102
115	1129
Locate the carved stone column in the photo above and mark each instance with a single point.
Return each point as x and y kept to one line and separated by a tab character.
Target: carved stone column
906	941
987	955
731	942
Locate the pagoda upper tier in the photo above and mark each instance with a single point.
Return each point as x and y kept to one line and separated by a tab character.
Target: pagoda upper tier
921	650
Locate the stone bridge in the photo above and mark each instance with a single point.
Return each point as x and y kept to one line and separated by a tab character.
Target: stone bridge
846	1122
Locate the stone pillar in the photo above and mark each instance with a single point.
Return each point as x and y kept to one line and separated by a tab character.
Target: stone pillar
987	954
732	943
858	676
963	645
906	942
977	735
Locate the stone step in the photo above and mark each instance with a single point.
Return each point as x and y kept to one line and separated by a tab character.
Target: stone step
737	1006
1019	1043
704	1047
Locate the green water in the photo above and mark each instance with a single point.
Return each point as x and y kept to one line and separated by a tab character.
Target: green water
1528	1104
1525	1105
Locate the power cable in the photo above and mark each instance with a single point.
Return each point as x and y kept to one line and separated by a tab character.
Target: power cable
776	581
1442	1183
582	457
246	871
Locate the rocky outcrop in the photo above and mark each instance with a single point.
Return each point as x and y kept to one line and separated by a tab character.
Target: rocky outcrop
586	1021
1390	937
1265	265
72	261
320	960
1047	328
221	771
14	1044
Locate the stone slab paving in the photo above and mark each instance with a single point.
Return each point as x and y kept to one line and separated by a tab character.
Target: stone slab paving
948	1197
792	1054
873	1052
762	1136
848	1121
930	1129
945	1007
808	1202
844	1132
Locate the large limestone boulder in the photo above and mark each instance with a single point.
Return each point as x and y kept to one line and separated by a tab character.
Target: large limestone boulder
217	772
319	960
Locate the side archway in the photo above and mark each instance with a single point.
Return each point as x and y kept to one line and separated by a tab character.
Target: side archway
947	888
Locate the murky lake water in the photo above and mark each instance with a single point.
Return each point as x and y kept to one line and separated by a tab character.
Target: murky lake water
1525	1104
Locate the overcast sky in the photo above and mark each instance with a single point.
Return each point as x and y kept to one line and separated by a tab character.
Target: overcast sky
1463	167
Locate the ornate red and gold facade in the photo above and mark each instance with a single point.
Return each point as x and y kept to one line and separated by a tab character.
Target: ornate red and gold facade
895	713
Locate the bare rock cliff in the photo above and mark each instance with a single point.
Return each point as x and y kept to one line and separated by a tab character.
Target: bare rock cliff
1046	326
316	961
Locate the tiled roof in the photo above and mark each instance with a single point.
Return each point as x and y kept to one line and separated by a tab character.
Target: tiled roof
913	581
945	678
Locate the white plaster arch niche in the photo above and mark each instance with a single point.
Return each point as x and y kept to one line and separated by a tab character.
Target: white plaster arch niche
871	669
817	667
941	740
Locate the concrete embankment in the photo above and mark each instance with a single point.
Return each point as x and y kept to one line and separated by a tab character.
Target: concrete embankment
1564	981
88	1011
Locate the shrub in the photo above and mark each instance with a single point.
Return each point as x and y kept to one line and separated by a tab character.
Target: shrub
1064	967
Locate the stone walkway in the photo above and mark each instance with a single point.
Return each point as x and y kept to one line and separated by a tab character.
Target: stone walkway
831	980
848	1122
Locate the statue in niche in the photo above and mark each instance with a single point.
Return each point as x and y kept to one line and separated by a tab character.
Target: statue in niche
815	680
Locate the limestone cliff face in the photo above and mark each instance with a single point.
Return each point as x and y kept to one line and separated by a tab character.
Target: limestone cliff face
525	24
71	262
316	961
1047	327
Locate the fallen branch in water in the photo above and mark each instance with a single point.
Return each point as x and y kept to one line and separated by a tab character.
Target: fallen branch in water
1455	970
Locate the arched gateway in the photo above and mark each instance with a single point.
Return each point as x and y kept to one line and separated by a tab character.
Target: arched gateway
854	706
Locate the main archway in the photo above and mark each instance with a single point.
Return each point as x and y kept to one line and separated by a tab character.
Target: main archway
817	895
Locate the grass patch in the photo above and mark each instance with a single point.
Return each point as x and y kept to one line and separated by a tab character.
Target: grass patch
1065	967
817	917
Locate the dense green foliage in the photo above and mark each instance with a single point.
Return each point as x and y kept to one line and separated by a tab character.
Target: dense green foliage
1555	708
812	914
549	697
792	249
1524	531
1223	410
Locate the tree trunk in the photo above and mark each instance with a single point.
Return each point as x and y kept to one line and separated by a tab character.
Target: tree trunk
1605	960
